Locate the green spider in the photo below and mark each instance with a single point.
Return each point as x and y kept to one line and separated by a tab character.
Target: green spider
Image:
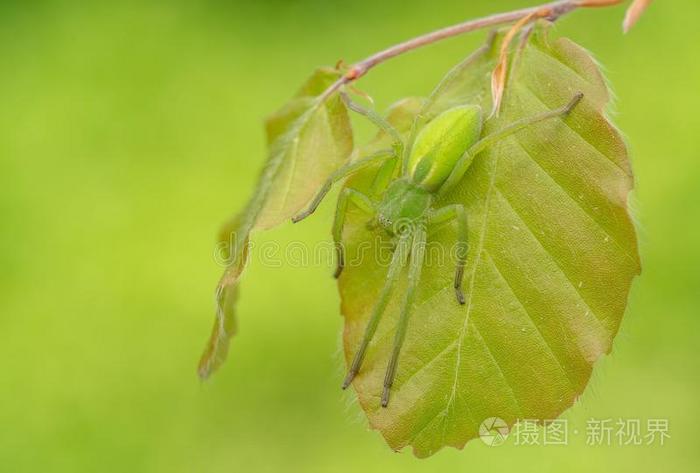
430	166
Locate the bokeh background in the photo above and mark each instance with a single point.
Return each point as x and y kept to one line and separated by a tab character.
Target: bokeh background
130	130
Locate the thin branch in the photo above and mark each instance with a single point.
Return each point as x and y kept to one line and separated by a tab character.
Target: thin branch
551	10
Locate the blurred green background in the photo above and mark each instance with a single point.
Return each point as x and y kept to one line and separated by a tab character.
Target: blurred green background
130	130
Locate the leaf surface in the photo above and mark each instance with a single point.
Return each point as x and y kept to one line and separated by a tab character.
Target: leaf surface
308	141
552	256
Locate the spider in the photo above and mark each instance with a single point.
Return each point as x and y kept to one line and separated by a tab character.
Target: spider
430	166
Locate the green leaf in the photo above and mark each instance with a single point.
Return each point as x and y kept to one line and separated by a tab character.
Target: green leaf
552	256
308	140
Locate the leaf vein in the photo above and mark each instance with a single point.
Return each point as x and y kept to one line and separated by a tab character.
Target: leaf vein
545	343
552	258
472	278
500	370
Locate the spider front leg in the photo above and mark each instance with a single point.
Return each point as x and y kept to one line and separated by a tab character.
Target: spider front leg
378	120
343	172
466	160
518	125
364	203
388	170
459	213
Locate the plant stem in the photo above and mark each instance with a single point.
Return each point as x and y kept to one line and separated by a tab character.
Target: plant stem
551	10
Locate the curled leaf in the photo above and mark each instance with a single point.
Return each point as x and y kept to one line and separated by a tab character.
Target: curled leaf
225	326
500	72
308	139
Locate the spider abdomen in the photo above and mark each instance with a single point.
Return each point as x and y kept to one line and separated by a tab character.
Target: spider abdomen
441	143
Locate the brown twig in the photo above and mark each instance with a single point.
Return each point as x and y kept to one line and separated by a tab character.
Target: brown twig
555	9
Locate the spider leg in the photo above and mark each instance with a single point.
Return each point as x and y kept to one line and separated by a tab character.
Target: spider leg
447	214
518	125
414	272
378	120
341	173
385	174
346	196
398	260
388	170
467	158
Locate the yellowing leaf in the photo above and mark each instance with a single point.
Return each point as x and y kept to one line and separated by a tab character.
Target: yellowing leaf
552	255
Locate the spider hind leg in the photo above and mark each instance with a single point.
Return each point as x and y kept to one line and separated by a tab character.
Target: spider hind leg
398	260
414	272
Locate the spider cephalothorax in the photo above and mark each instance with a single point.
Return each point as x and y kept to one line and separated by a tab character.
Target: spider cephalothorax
403	201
